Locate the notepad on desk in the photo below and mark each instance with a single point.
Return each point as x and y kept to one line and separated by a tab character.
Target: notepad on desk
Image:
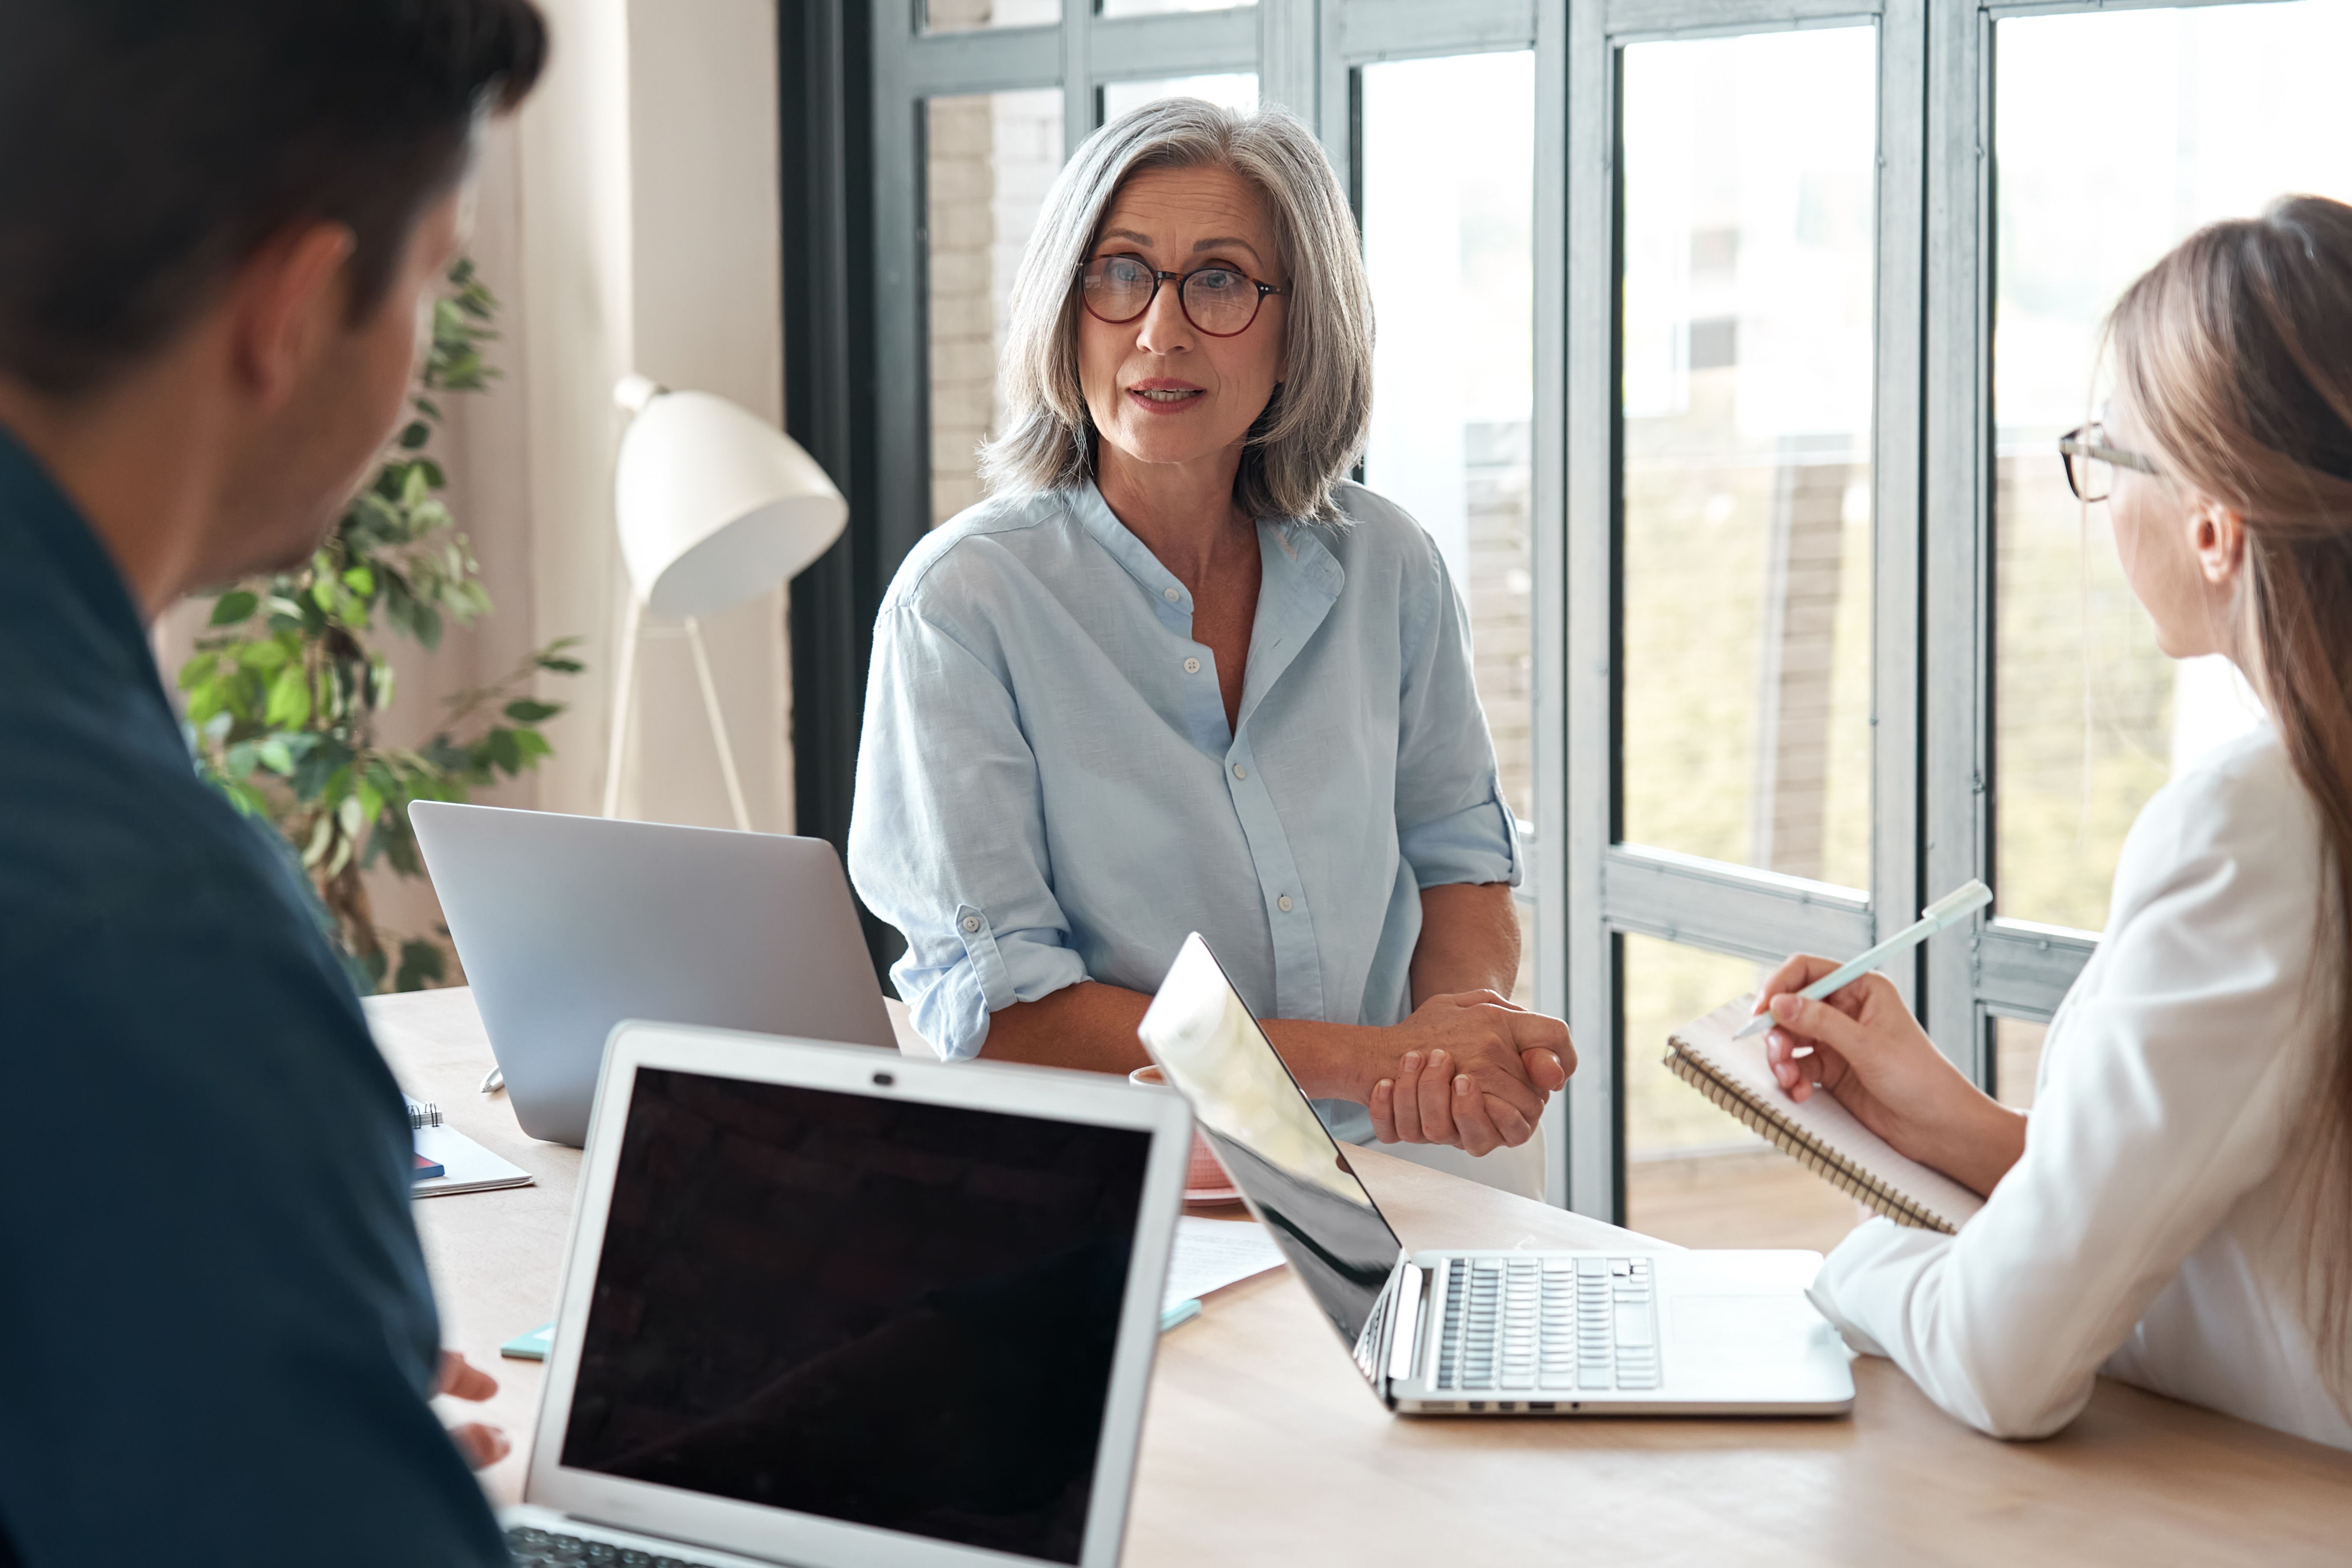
449	1161
1818	1133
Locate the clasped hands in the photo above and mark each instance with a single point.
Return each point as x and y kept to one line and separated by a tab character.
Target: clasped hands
1471	1069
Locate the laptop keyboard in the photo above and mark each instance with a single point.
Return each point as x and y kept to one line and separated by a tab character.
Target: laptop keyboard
1550	1325
533	1548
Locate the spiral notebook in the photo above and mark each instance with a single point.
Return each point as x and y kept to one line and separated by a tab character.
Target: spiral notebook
1819	1133
449	1161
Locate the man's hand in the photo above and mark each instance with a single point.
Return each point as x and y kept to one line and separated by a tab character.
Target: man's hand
1473	1070
482	1445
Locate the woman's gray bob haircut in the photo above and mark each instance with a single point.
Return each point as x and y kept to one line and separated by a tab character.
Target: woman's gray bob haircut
1314	427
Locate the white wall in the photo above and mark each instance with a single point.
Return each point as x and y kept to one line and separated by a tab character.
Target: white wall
649	240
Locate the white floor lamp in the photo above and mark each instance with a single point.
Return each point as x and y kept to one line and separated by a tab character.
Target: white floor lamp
715	505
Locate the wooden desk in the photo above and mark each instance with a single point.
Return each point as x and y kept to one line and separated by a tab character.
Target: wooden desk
1262	1446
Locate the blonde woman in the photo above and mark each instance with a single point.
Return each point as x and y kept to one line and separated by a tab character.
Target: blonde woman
2174	1211
1178	675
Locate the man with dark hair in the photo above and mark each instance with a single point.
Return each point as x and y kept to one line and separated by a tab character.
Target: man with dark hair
218	1340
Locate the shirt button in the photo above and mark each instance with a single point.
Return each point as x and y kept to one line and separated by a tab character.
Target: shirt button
971	923
1171	595
1240	772
1282	903
1191	666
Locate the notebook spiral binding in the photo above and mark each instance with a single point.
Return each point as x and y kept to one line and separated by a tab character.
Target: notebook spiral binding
1799	1145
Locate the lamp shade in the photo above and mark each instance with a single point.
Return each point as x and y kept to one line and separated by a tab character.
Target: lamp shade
715	504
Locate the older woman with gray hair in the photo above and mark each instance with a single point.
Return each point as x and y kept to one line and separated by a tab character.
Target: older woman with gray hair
1177	674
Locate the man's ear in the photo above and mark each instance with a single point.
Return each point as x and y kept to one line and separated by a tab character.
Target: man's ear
288	303
2216	535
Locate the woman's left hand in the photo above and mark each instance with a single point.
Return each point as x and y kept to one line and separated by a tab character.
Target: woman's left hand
1861	1045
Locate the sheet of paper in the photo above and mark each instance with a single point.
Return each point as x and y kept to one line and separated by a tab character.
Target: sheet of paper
1211	1254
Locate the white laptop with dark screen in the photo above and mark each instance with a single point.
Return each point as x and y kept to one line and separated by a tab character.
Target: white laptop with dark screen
825	1309
1487	1333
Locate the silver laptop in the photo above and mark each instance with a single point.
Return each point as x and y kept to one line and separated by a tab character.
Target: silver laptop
1487	1333
566	925
825	1309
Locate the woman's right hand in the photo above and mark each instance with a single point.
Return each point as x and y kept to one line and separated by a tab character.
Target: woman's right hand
1862	1045
1471	1069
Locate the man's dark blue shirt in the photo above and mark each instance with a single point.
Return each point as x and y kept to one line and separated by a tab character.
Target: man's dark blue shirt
217	1332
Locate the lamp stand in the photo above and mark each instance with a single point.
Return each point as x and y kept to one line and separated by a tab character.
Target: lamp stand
624	688
717	725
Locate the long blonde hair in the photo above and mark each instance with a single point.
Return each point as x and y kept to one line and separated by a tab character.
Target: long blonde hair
1311	432
2236	352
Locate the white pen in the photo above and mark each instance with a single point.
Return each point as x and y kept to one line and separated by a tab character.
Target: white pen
1950	910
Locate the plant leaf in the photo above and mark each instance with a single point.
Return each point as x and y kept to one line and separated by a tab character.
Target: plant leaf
289	699
232	608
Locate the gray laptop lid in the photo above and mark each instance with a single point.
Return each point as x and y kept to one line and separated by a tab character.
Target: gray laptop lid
1275	1147
566	925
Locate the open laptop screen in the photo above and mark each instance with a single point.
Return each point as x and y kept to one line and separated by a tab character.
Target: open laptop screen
1273	1144
883	1312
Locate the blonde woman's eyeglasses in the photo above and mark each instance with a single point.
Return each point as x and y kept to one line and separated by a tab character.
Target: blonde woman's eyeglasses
2091	463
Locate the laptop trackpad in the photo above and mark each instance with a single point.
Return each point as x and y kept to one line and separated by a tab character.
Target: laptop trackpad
1751	1345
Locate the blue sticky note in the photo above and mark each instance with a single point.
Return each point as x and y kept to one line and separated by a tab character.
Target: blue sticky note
532	1346
1181	1312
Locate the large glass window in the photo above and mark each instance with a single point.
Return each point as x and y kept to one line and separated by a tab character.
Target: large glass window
1748	181
1685	351
1448	215
988	160
1446	150
2116	135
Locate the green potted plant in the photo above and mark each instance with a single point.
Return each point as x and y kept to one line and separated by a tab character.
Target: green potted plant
284	690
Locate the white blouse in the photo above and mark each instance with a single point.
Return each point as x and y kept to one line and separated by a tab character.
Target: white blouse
2150	1231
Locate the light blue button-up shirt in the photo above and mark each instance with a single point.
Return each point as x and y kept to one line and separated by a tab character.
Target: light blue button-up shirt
1048	791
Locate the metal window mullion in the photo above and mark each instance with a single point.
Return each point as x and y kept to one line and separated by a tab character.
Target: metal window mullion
1641	20
1592	1160
2002	9
1958	534
1371	30
984	60
1727	909
1079	110
2023	970
1289	57
1335	107
1199	42
1548	515
902	512
1897	590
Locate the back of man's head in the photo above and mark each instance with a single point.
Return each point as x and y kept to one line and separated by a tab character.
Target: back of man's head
152	145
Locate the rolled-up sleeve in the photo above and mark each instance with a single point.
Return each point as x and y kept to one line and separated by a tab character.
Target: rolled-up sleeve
947	839
1452	824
